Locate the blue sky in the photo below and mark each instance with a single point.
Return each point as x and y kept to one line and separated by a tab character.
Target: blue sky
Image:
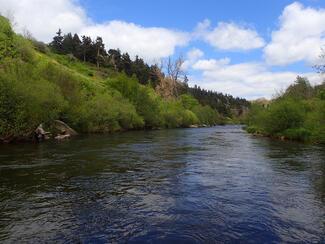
246	48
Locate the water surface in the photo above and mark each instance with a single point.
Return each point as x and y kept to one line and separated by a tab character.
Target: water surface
185	185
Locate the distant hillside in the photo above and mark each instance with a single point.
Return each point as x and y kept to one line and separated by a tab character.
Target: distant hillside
91	89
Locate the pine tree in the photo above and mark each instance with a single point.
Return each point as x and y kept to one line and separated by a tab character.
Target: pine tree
67	44
116	59
100	51
56	44
86	47
127	64
77	52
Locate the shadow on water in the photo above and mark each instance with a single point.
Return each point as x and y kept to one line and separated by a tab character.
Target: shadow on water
291	157
185	185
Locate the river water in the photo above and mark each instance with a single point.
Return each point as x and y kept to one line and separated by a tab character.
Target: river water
204	185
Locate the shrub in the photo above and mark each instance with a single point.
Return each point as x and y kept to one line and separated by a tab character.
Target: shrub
298	134
315	120
105	112
26	100
207	115
6	39
282	115
145	100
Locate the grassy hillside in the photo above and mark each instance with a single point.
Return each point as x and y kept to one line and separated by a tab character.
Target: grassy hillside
297	114
38	86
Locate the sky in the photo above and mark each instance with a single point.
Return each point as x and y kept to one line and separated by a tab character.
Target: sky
247	48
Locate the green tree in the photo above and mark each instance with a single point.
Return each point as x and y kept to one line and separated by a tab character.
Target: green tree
100	51
57	43
86	46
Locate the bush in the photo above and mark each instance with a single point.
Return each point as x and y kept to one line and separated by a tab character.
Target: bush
188	101
282	115
292	115
207	115
6	39
252	129
298	134
145	100
26	100
315	120
107	113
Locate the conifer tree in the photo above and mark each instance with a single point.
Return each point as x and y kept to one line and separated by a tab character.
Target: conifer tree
56	44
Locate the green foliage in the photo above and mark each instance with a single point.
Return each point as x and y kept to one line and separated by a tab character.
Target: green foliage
284	114
207	115
174	115
297	134
38	86
315	120
26	100
223	103
299	114
107	113
188	101
252	129
6	39
301	89
145	100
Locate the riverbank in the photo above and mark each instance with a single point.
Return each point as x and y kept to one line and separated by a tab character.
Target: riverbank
59	131
40	84
297	114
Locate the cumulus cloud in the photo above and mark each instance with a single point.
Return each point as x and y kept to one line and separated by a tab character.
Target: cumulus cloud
300	36
195	54
191	57
42	18
150	43
229	36
250	80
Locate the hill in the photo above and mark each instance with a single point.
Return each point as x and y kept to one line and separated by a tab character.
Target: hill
90	89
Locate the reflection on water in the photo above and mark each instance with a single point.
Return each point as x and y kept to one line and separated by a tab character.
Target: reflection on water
191	185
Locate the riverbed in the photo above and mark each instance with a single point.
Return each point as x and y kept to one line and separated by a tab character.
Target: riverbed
202	185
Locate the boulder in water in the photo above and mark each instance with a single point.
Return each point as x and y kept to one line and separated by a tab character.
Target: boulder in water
63	128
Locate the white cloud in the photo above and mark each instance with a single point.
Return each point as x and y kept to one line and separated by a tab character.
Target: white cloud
299	37
191	57
149	43
195	54
229	36
249	80
42	18
210	64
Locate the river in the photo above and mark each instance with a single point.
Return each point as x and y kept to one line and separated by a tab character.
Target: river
203	185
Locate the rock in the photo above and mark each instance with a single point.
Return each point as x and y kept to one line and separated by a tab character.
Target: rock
193	126
62	137
64	128
40	134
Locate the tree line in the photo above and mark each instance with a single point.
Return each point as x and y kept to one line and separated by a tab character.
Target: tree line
94	51
225	104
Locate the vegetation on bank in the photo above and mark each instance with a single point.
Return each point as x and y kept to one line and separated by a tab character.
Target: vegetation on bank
95	94
297	114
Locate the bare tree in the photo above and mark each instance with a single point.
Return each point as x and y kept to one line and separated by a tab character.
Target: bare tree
171	82
174	68
175	72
